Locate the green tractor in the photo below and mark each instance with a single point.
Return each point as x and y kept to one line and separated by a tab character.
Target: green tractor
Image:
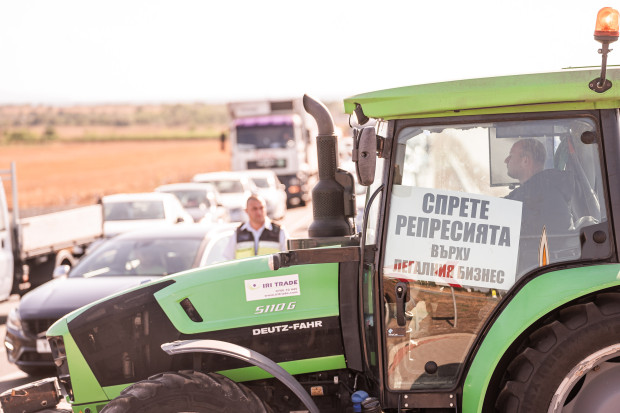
486	277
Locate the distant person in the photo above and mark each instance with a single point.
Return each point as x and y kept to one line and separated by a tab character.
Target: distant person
546	196
222	141
258	235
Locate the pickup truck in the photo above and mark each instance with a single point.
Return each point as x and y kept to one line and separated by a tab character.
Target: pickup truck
30	248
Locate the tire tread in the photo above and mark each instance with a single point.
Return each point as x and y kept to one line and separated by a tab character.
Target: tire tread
201	392
534	368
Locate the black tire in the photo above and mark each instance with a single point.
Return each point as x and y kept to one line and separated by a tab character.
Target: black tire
187	391
585	335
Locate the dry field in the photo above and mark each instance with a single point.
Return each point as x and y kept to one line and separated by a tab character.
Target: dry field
63	174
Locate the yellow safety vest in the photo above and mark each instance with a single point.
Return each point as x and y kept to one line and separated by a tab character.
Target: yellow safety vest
268	243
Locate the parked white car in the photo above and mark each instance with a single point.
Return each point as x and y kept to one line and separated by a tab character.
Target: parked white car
270	188
201	200
124	212
234	188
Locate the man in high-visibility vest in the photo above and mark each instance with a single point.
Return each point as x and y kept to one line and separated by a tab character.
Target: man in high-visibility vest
257	236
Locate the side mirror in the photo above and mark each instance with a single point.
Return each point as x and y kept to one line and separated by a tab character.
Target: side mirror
61	271
365	156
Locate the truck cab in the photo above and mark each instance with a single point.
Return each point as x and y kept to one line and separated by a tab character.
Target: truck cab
275	135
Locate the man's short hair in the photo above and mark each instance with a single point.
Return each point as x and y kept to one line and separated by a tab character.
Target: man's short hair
255	197
534	148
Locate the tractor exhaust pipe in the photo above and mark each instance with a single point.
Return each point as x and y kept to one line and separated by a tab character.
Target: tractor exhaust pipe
328	201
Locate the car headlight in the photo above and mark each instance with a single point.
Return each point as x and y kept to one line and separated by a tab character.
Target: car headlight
13	320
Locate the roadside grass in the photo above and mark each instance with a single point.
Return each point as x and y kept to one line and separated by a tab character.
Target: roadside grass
163	135
32	136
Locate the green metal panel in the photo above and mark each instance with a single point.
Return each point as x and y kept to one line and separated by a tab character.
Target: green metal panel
537	298
567	90
223	304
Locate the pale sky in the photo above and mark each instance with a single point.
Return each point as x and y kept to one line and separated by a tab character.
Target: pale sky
166	51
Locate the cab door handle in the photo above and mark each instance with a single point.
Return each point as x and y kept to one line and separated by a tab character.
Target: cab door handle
402	296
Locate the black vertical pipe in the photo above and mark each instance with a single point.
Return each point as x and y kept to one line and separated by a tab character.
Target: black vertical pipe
328	195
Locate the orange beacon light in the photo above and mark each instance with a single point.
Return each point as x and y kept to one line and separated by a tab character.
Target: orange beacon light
607	25
606	32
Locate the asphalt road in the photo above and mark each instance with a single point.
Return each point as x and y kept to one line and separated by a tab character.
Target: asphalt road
296	223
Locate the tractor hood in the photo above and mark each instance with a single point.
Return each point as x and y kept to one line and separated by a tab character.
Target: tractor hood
214	272
287	314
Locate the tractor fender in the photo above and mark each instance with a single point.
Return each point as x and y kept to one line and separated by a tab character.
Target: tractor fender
247	355
537	298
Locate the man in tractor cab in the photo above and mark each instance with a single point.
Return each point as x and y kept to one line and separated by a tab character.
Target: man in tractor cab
546	196
258	235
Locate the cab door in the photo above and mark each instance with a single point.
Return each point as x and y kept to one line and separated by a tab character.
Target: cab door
476	207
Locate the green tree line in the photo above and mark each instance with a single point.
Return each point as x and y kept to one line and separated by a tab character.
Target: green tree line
170	115
18	122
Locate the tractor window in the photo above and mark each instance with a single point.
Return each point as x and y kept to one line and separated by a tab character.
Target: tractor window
473	208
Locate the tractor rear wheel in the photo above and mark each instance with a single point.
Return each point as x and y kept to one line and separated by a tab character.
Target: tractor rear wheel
187	391
570	365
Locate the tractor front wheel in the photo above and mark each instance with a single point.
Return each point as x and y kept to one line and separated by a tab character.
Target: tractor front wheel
570	365
187	391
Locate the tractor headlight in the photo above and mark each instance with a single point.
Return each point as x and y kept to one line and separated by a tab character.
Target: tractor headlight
57	344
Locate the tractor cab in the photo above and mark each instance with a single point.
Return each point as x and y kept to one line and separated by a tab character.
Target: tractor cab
475	207
489	196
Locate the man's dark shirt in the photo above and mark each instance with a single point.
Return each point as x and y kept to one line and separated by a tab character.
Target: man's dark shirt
546	199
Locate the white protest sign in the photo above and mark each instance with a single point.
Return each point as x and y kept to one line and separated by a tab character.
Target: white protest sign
451	237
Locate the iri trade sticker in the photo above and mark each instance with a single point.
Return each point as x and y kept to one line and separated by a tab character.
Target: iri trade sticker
272	287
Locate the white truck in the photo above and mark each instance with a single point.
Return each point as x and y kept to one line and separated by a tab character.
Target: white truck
30	248
275	135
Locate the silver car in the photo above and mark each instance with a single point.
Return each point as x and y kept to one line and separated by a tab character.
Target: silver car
271	189
234	188
201	200
125	212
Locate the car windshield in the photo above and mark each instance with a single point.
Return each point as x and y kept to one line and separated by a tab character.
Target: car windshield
261	182
192	198
124	211
139	257
228	186
269	136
